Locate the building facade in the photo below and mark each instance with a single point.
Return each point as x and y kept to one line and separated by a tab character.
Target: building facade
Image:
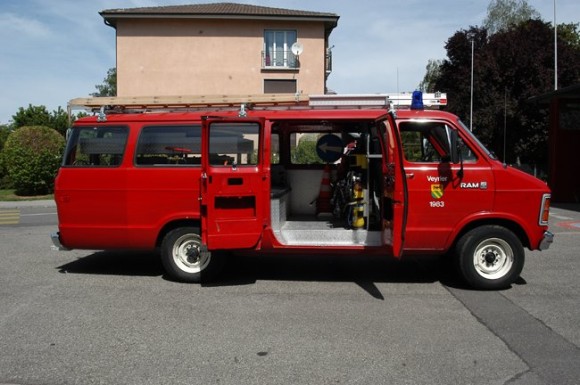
563	142
220	48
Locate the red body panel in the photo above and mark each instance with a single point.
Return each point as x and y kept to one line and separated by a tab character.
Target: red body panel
129	206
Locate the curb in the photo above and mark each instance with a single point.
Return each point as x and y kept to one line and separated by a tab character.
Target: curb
20	204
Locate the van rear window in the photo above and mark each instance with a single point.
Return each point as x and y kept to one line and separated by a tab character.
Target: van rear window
169	146
99	146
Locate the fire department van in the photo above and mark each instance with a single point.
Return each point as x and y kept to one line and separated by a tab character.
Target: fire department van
200	178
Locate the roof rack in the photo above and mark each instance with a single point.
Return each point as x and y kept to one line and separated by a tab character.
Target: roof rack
391	100
184	101
431	100
116	104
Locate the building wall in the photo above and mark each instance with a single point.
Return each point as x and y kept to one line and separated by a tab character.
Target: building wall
202	57
564	141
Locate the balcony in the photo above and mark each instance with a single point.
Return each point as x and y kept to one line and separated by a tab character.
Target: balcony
280	60
328	62
286	60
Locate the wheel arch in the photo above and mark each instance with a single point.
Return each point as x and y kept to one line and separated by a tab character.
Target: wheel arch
511	225
174	225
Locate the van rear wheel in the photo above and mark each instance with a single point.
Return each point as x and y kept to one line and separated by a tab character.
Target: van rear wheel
490	257
186	259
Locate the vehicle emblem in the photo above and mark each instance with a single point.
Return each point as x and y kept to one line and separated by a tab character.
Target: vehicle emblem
437	191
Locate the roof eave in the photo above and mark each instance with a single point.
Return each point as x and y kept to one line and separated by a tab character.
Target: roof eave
110	19
570	92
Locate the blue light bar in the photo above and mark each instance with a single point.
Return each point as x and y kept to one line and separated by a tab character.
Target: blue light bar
417	100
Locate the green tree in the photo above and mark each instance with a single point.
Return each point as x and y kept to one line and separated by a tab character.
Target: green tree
109	86
31	116
4	180
305	151
569	34
32	156
505	14
4	132
59	120
509	67
39	116
433	71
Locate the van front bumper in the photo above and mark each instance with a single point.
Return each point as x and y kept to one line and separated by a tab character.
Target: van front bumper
546	241
56	244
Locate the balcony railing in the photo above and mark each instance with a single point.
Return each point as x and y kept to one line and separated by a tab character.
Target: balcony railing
328	62
281	59
287	60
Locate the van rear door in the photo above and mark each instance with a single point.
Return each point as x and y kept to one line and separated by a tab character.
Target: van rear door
394	201
234	188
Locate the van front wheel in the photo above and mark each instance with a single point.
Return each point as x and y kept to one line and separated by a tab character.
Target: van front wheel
490	257
186	259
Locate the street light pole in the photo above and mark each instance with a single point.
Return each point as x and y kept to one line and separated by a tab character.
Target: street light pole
471	102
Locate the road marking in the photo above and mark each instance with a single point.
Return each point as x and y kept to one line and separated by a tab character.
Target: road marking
37	215
9	217
549	356
571	225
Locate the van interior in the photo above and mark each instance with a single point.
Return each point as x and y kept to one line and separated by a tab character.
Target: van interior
326	183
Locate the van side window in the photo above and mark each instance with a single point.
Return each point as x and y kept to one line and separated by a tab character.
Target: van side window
101	146
467	154
169	146
275	148
417	147
424	142
233	143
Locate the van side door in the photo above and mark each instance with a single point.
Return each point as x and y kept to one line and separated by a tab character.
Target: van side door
441	194
234	187
394	201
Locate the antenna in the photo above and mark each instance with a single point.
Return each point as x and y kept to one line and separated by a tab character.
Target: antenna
297	48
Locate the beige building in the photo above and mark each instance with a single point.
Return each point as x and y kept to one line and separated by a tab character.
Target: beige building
221	48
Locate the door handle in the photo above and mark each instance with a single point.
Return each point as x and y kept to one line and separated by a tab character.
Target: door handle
410	175
204	180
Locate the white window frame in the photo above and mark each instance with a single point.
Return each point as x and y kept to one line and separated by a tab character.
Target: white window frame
272	49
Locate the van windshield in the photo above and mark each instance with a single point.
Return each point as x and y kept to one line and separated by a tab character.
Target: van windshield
476	140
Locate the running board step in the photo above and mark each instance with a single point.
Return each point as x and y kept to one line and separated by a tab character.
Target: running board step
329	237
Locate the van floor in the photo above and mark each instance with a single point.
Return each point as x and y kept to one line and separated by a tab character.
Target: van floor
310	231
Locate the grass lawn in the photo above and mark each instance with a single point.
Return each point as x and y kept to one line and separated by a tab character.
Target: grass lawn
8	195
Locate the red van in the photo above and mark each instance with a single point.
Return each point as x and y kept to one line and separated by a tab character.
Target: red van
329	174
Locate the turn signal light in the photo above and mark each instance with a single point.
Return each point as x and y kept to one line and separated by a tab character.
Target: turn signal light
545	210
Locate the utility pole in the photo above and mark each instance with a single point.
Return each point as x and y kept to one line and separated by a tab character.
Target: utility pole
471	102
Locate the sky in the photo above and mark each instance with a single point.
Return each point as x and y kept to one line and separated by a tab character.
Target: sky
52	51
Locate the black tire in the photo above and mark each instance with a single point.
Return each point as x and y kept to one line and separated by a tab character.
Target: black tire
186	259
490	257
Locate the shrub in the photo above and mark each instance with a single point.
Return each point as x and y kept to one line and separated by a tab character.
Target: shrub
32	156
4	180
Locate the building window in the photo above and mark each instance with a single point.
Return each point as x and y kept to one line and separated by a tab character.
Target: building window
570	115
280	86
278	49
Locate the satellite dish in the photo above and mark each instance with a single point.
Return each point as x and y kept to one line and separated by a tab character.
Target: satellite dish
297	48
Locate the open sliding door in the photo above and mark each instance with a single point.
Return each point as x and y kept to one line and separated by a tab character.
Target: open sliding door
394	200
233	185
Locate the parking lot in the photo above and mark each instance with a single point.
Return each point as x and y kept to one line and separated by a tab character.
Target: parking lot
90	317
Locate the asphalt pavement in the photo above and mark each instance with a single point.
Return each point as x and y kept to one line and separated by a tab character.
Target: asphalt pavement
93	317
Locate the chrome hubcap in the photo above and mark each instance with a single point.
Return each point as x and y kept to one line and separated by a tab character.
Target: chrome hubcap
188	255
493	258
